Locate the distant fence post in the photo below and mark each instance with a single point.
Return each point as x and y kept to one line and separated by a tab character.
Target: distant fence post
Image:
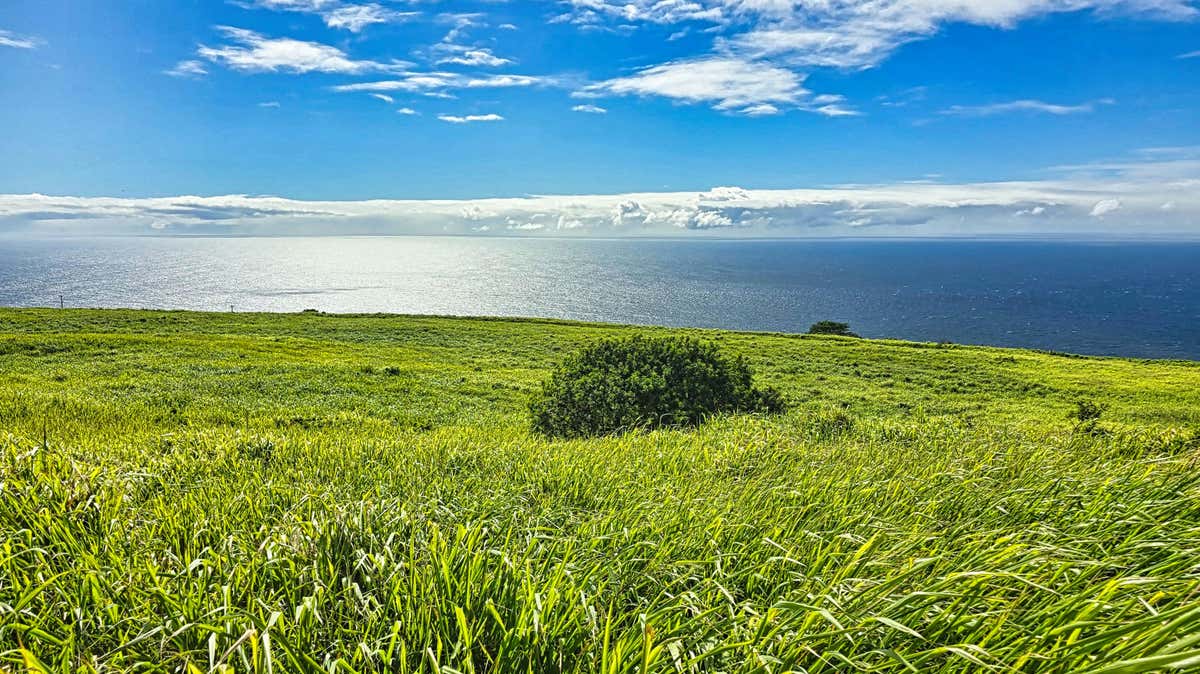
60	302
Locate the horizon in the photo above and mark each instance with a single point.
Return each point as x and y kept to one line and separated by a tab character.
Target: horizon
714	237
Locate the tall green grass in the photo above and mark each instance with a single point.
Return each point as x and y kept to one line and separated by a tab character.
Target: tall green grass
183	492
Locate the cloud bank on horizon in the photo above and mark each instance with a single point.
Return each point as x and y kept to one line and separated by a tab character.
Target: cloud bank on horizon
1156	193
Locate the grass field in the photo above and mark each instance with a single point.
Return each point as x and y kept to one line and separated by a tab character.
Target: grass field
186	492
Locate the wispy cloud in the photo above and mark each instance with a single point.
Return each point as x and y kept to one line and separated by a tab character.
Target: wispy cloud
256	53
1170	151
831	105
1104	207
383	97
353	17
1189	55
471	56
836	111
903	98
467	119
589	108
729	84
460	23
412	82
589	13
758	65
8	39
438	84
847	34
1173	167
190	68
1024	105
760	110
504	81
269	104
407	111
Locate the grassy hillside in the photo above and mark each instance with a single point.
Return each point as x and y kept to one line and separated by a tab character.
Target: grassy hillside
251	492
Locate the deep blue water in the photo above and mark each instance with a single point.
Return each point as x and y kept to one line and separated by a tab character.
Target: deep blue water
1128	299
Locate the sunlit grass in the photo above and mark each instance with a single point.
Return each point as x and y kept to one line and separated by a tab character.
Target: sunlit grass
189	492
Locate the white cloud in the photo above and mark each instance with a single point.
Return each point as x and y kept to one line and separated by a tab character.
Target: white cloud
856	34
412	82
835	110
593	109
460	23
1024	105
725	194
629	213
336	14
189	68
728	84
468	56
256	53
383	97
291	5
455	119
1189	55
590	13
567	222
1125	201
828	99
438	84
1105	206
504	81
759	110
355	18
887	209
845	33
407	111
8	39
269	104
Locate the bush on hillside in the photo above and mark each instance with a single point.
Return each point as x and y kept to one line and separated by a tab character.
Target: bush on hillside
831	328
1086	416
616	385
1086	410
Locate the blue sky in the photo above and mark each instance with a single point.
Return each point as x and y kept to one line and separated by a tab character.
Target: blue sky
350	100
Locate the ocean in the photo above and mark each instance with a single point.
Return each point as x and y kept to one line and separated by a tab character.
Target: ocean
1130	299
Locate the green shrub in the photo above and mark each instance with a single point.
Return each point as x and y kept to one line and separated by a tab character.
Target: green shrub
1087	417
1086	410
831	328
616	385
